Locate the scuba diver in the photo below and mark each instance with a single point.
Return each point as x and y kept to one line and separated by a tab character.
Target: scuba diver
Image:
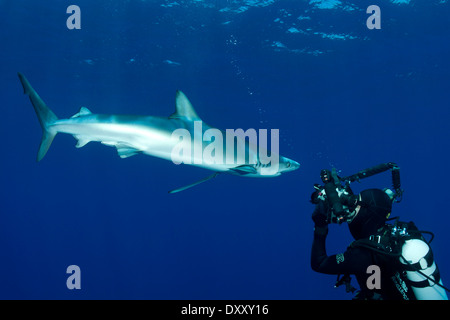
391	261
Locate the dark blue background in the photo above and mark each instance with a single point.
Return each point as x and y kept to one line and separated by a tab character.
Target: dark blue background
351	104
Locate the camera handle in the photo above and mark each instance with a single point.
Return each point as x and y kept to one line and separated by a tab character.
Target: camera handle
332	196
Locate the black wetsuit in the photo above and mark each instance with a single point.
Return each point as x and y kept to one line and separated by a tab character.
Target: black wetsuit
355	261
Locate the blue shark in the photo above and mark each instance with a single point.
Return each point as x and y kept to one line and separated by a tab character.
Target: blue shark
149	135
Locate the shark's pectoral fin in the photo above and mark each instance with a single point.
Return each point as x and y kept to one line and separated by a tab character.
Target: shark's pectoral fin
195	183
244	169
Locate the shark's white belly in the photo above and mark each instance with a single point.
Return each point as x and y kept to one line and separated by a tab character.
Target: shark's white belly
141	138
151	136
130	139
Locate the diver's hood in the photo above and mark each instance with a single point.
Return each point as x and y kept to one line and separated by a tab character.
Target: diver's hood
375	209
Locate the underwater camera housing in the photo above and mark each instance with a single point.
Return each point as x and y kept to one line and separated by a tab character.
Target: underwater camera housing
338	196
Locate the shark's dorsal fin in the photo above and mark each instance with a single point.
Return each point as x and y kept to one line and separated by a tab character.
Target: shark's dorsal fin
83	112
184	108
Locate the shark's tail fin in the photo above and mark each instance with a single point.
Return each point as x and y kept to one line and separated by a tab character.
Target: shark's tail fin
45	115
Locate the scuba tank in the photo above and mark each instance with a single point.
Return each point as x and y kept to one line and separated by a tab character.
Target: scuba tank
421	270
406	245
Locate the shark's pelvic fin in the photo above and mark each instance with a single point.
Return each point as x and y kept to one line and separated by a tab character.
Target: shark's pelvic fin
184	108
45	115
82	141
195	183
125	151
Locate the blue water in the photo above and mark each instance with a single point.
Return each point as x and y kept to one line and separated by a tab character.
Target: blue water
341	95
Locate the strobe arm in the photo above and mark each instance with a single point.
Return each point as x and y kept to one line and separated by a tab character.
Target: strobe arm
376	170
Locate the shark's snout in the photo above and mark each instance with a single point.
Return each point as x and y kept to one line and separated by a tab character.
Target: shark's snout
287	165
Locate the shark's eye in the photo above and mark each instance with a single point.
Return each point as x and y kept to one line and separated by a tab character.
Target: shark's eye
288	165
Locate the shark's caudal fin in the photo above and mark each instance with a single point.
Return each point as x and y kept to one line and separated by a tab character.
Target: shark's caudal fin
45	115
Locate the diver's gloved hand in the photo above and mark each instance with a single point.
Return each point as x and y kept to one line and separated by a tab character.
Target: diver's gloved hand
319	215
